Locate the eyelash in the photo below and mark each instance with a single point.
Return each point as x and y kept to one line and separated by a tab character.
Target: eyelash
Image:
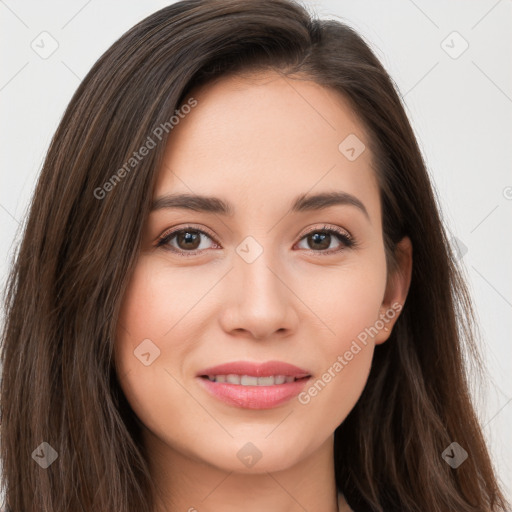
346	240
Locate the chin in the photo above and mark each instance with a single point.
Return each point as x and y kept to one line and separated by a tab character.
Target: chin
254	455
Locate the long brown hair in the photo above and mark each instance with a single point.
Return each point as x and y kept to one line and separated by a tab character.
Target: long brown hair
81	241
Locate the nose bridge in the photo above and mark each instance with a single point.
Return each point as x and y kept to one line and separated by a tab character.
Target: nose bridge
261	302
259	279
257	270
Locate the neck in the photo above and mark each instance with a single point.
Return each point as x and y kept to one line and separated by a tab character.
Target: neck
186	483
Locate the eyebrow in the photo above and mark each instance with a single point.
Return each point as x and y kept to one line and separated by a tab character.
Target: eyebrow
302	203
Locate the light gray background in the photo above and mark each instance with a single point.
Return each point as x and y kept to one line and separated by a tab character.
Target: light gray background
460	109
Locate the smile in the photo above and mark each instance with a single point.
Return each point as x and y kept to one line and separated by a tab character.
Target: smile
250	380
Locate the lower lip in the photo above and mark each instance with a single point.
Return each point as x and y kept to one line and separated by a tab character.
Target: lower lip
254	397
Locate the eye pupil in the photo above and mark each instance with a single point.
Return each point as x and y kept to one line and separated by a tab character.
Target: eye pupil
189	236
321	238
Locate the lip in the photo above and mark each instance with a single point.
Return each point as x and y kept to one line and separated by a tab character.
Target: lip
254	397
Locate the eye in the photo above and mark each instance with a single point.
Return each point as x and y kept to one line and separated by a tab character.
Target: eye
185	241
319	240
188	241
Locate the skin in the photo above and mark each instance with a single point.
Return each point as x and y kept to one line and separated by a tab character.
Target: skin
256	141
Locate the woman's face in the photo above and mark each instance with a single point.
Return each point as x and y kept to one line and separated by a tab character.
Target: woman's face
263	282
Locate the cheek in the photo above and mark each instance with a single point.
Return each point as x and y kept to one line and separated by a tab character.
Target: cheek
152	307
156	332
346	299
347	302
149	304
160	301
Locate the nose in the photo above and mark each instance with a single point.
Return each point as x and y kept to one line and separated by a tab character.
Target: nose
260	303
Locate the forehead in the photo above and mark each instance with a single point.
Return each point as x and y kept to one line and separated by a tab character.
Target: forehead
262	135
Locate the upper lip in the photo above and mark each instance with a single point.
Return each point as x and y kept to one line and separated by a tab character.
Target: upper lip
266	369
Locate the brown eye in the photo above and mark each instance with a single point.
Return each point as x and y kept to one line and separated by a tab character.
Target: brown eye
185	240
320	240
188	240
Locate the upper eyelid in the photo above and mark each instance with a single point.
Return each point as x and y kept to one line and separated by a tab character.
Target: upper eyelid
173	231
325	227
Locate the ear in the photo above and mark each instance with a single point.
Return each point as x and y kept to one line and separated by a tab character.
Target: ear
397	288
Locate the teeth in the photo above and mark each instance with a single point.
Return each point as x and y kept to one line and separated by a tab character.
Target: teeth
233	379
245	380
250	380
268	381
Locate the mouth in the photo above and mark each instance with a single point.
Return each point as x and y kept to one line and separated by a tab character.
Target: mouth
251	380
254	385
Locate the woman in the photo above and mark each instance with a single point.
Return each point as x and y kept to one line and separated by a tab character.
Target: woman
234	288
